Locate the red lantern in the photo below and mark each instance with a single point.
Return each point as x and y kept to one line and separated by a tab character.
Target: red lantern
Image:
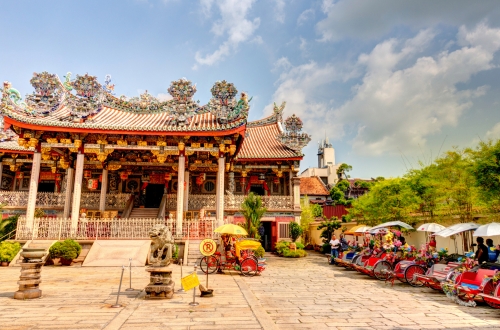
92	184
123	175
19	175
87	174
168	176
276	180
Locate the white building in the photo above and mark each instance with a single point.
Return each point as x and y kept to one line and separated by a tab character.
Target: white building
327	168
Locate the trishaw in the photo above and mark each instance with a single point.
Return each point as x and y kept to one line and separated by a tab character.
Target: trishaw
466	286
243	260
491	291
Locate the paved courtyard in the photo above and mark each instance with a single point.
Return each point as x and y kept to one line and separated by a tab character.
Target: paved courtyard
292	293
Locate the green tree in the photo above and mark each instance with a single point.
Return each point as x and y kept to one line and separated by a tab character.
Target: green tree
7	225
295	231
486	172
328	227
388	200
252	210
307	216
342	171
317	210
338	193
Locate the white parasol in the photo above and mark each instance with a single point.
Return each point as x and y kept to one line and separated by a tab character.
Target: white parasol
491	229
432	227
456	229
363	229
390	224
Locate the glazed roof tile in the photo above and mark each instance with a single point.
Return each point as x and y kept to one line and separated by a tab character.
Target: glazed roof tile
261	142
313	186
114	119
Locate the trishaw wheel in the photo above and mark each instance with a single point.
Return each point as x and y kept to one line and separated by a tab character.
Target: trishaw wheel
249	267
412	270
209	264
489	289
382	269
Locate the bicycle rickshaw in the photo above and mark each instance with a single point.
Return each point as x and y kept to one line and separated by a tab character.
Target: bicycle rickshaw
242	258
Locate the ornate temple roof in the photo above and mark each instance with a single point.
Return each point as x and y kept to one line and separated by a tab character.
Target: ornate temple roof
85	104
266	139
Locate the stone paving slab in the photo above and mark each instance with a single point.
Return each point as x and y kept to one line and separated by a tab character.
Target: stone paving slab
302	293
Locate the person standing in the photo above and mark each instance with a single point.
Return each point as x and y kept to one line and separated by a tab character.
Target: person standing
482	251
334	243
492	250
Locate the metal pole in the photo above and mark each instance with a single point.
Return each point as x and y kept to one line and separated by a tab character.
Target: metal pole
130	272
194	303
116	305
181	290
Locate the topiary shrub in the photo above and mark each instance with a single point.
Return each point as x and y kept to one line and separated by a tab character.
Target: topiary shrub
295	254
259	253
299	245
8	251
282	246
68	249
295	231
326	248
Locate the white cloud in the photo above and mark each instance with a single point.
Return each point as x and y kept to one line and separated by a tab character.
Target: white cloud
402	97
493	133
279	10
163	97
282	63
233	23
373	19
305	16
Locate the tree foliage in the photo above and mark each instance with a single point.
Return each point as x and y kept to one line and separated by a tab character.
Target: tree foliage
328	227
307	216
338	193
253	210
342	171
295	231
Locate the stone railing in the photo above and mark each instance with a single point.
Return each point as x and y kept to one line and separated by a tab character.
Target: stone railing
231	202
105	229
56	200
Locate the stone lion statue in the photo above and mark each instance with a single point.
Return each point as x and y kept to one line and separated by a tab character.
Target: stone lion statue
162	243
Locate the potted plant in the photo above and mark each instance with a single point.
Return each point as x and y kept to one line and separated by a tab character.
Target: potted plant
67	251
8	251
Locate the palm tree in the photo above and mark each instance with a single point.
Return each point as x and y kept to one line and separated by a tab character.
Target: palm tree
253	211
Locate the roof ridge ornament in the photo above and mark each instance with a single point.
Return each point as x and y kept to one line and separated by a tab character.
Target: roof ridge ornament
223	104
278	111
292	137
88	99
47	95
145	102
182	107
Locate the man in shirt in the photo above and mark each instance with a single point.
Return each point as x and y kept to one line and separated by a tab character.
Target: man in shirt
334	243
482	251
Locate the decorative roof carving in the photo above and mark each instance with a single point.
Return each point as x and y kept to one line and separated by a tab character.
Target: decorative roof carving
223	104
292	137
88	99
145	102
182	107
276	117
47	95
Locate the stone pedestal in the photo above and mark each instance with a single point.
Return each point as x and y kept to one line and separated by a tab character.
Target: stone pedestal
160	284
30	278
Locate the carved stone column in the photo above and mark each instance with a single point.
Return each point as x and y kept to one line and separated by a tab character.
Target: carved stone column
77	192
35	174
296	194
104	190
220	192
70	178
180	194
186	191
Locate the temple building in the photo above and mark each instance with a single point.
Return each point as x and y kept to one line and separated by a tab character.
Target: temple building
80	162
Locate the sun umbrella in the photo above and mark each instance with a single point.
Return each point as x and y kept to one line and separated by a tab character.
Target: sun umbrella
353	230
432	227
231	230
491	229
456	229
392	223
363	229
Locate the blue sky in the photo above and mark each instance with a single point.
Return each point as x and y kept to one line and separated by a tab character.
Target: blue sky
390	82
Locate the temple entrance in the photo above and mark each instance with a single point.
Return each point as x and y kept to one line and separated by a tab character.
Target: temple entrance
47	186
154	194
265	235
257	189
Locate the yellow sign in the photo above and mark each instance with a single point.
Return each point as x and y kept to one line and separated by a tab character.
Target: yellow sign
208	247
190	282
